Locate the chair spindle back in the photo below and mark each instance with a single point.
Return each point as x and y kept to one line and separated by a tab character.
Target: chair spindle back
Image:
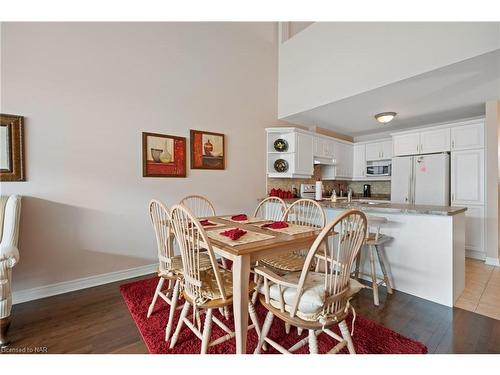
271	208
198	205
192	240
162	225
306	212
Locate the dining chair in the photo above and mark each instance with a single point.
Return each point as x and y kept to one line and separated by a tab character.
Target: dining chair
198	205
203	289
374	244
169	265
317	301
305	212
271	208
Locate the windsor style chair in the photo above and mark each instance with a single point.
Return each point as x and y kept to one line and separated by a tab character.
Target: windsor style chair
204	289
170	265
317	301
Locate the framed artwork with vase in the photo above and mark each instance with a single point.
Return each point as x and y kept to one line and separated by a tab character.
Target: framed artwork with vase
207	150
12	148
163	155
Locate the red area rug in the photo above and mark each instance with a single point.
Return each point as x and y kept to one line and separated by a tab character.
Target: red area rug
369	337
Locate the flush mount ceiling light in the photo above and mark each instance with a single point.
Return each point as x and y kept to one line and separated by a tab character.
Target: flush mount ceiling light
385	117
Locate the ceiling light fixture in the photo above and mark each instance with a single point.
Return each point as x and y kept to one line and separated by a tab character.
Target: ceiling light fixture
385	117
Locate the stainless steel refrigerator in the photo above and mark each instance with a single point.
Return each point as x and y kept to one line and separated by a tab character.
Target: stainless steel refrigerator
421	179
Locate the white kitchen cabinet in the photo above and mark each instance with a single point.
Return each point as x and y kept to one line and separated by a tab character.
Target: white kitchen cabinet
323	147
298	156
467	177
406	144
359	161
372	151
475	229
343	155
386	149
378	150
432	141
467	136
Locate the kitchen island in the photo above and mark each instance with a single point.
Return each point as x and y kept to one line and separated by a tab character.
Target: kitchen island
426	256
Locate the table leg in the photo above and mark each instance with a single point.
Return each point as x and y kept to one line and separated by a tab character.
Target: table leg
241	275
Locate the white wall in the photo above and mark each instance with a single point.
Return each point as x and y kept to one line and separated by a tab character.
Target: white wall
329	61
87	91
492	123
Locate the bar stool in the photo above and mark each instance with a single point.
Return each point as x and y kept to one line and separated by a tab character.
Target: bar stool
374	243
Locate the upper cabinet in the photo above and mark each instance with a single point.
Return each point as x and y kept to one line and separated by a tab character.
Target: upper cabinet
422	142
294	159
432	141
343	160
359	161
323	147
380	150
406	144
466	137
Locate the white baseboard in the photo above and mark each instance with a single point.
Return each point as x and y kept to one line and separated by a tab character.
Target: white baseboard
83	283
474	254
492	261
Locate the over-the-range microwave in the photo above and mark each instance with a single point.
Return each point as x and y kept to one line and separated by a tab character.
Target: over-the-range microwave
378	168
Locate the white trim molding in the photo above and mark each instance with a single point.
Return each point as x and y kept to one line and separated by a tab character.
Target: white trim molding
492	261
82	283
474	254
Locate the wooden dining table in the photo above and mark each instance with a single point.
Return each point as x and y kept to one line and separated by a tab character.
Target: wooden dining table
244	255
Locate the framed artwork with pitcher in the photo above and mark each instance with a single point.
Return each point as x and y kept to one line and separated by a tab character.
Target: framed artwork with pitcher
207	150
163	155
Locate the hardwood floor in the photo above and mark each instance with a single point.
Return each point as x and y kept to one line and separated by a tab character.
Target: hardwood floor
96	320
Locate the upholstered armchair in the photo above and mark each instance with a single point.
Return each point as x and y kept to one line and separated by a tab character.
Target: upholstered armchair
10	209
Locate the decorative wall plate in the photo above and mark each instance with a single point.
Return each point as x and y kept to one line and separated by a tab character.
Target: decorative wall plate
281	165
280	145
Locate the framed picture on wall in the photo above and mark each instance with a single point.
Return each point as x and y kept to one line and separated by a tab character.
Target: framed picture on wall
163	155
11	148
207	150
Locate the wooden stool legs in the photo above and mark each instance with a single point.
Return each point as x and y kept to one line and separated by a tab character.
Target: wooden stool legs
382	261
371	252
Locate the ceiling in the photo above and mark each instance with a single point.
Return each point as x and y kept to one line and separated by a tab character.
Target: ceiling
454	92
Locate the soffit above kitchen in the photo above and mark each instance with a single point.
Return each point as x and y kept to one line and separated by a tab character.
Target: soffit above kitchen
426	72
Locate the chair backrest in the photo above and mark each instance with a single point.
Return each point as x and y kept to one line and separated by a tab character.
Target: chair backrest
193	241
349	230
162	225
271	208
10	213
374	224
306	212
198	205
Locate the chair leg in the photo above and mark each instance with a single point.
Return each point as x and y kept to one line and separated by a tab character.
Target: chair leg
358	263
253	318
346	335
184	313
207	330
374	276
287	328
264	332
299	331
173	306
313	342
224	263
257	287
383	267
155	297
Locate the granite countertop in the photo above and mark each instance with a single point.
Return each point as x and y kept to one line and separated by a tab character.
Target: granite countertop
388	207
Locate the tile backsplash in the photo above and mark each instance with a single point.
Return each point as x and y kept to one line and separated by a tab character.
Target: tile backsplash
380	189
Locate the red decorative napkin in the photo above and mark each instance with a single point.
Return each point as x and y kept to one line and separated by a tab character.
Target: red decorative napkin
276	225
240	217
206	223
234	234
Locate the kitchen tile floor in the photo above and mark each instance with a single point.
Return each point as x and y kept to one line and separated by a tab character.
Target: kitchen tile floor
482	289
